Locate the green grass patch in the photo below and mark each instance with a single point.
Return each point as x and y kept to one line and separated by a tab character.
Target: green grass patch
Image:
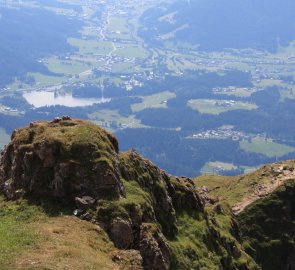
213	167
153	101
118	24
47	80
111	119
212	106
132	51
266	147
16	232
240	66
66	67
123	67
118	28
233	189
197	248
268	83
189	242
91	46
237	91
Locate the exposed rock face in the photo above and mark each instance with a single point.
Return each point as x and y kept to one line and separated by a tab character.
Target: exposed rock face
145	221
154	248
65	158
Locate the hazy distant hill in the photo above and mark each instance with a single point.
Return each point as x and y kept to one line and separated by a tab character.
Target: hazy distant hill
216	25
23	41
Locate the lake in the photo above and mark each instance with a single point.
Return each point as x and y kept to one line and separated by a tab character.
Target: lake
45	98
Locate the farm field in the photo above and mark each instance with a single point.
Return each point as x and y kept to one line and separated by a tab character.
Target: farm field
217	166
153	101
212	106
266	147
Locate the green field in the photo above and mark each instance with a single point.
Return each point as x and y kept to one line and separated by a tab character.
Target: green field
112	120
117	24
118	29
182	65
212	167
153	101
66	67
266	147
16	234
47	80
212	106
268	83
91	46
123	67
132	51
237	91
240	66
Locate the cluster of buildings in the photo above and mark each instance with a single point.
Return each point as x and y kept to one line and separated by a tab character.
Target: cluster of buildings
224	132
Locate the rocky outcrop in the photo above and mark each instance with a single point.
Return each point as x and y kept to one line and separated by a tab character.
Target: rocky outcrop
121	233
64	158
154	248
78	161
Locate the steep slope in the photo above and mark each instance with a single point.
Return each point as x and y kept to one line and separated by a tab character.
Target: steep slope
268	229
129	213
264	207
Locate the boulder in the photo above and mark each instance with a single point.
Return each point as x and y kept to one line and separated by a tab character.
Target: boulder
121	233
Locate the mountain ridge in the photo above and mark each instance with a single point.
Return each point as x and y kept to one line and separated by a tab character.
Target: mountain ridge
154	220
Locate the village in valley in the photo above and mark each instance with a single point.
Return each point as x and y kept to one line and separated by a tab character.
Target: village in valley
109	53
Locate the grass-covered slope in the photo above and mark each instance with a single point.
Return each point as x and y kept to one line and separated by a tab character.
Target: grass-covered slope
196	241
32	237
268	229
264	207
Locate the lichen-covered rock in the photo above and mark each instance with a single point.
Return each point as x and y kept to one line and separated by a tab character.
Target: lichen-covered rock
64	158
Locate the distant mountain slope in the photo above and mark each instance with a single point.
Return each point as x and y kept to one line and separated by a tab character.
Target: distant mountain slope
217	25
23	41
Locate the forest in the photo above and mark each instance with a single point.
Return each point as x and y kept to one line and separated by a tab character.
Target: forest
31	41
